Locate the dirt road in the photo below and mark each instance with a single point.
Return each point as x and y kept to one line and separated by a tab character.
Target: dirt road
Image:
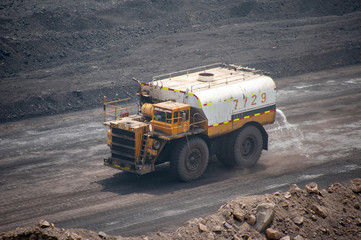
51	167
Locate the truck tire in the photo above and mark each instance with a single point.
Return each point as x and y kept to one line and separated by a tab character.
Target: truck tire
247	146
189	159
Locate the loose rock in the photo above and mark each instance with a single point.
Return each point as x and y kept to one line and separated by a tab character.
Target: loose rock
295	190
103	235
286	238
217	228
356	185
319	210
251	219
227	225
287	195
44	224
239	215
202	227
312	188
325	230
298	220
299	237
273	234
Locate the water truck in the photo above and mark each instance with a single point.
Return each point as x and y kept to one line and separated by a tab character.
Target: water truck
187	116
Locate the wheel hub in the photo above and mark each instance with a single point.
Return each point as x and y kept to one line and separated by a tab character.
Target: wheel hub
247	147
193	160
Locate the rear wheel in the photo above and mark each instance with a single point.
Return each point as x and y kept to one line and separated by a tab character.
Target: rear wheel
248	144
241	148
190	159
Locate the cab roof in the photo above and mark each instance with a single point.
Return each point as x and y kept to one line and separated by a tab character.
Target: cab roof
171	105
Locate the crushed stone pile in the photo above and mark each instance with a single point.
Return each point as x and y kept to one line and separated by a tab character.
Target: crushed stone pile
308	213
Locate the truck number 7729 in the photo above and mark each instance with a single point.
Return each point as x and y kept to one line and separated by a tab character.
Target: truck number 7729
185	117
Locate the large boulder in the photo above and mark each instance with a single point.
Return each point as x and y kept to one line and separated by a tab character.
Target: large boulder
264	216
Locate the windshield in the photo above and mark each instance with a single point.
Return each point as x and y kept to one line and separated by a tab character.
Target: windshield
162	115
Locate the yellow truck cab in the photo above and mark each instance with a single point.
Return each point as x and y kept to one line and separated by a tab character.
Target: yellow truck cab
171	118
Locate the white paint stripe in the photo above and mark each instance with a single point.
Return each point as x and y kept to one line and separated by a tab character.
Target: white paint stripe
269	187
308	177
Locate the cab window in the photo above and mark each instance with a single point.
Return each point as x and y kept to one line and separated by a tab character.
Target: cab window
186	113
163	115
175	117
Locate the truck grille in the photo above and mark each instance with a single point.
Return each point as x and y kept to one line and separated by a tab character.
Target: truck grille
123	144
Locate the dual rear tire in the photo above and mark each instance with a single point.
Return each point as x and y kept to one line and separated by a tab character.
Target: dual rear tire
241	148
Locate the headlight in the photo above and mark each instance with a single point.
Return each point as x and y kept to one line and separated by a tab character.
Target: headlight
156	145
109	139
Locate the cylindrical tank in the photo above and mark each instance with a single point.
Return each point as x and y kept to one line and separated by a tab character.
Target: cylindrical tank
147	109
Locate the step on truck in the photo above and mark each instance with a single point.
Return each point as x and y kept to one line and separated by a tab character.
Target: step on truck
185	117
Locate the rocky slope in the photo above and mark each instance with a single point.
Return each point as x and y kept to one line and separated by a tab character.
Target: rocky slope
308	213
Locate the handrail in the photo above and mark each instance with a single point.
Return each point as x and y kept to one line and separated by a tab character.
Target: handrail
227	80
119	111
195	121
196	114
205	67
186	71
218	82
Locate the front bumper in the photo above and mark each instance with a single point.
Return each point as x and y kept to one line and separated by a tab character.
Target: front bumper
128	166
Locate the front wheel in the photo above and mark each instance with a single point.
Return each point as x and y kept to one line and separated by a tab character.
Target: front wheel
190	159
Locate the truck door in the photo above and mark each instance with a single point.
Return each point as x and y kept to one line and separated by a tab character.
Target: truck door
181	120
